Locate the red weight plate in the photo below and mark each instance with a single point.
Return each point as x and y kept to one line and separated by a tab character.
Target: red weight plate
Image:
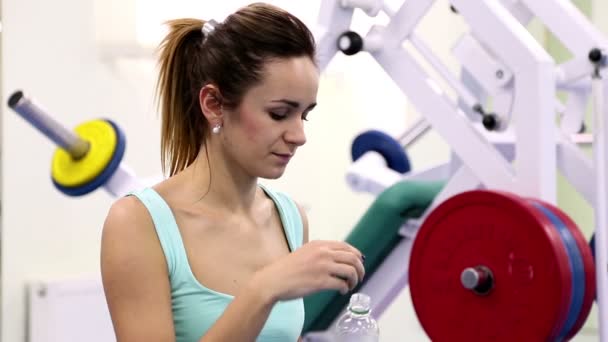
532	279
588	262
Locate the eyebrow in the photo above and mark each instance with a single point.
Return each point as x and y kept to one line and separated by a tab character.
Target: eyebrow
295	104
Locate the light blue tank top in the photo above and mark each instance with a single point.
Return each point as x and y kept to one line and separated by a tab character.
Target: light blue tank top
196	307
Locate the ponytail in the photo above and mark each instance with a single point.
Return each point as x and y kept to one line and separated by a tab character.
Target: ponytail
183	125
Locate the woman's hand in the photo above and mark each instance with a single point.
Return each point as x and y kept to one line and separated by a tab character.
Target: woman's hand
316	266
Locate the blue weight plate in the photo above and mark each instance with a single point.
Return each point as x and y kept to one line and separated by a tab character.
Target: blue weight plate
107	173
387	146
587	257
576	265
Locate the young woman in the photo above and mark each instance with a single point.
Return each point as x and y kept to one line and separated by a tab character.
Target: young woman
210	254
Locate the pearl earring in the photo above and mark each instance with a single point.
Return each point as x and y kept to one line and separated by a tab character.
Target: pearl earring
216	129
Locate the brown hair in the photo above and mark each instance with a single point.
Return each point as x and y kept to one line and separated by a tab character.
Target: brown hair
232	57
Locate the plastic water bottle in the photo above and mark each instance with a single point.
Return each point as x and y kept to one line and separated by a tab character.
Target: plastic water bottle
357	324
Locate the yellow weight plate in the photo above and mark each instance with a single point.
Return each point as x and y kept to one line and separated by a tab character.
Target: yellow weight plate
102	139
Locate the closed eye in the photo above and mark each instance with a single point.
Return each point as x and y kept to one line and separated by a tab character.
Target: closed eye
277	117
282	113
293	105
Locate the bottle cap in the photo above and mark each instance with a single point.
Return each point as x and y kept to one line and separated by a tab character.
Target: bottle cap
360	303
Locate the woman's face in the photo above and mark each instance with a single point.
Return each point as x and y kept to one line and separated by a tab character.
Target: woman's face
263	133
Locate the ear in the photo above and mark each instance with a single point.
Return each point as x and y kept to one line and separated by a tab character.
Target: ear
210	100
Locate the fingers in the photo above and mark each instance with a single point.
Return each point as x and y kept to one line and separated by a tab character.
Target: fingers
345	273
343	246
344	268
351	259
335	283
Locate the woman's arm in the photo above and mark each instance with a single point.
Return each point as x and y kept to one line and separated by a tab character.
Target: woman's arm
245	317
135	277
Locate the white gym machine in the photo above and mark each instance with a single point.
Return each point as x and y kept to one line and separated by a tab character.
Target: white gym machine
500	60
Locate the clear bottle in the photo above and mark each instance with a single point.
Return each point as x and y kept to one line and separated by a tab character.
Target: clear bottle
357	324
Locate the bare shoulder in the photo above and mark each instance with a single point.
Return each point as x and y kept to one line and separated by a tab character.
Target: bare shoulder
128	237
128	233
127	215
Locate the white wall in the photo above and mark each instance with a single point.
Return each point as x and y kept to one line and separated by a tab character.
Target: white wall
49	51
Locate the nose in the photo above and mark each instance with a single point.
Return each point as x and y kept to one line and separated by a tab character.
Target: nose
295	133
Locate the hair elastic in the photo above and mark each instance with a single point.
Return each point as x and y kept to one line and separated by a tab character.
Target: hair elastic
208	27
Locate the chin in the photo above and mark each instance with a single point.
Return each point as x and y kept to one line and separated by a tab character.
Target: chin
272	174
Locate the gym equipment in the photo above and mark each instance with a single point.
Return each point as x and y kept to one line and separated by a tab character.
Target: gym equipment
514	150
375	152
87	158
592	244
77	177
389	148
588	264
493	266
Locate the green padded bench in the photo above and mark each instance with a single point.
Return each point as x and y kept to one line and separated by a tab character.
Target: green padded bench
376	234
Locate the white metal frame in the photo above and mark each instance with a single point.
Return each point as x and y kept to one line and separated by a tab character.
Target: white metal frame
498	44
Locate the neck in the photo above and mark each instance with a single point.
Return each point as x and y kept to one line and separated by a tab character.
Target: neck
219	183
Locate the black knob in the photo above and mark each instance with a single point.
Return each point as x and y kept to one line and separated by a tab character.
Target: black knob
350	43
453	9
15	98
583	128
595	55
490	122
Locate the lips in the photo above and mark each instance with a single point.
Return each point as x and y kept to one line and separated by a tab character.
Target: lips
285	157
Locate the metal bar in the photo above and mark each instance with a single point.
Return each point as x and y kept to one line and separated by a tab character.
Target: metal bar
600	158
443	71
52	129
414	132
